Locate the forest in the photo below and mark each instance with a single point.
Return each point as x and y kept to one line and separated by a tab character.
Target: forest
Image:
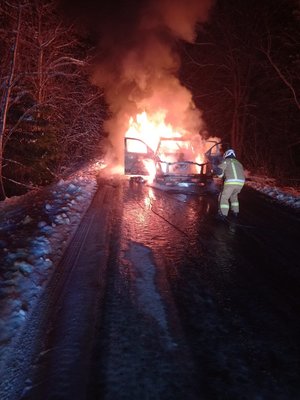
243	69
51	115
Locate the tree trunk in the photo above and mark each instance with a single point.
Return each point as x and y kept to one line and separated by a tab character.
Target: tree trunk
6	98
40	79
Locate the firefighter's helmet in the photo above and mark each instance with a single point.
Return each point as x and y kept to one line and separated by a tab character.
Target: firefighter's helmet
229	153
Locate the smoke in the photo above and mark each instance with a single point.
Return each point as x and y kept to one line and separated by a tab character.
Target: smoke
138	62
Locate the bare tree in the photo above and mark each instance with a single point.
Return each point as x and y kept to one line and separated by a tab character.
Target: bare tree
48	98
224	63
244	72
281	50
8	82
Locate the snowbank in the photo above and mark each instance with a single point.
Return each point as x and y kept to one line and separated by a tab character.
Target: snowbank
289	196
34	232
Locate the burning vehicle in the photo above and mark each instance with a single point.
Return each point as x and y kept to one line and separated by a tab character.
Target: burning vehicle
149	105
172	163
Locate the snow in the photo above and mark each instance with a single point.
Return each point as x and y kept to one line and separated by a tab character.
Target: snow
287	195
36	228
34	232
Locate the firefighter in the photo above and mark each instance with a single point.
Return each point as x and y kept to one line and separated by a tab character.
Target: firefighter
232	171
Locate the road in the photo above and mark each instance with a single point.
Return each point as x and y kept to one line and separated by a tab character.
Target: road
155	299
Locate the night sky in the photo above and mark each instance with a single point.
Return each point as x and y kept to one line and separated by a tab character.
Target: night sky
98	17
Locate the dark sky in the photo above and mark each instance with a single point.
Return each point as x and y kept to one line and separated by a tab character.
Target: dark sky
115	16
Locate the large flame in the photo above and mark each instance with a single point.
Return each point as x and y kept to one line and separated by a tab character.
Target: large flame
154	131
150	129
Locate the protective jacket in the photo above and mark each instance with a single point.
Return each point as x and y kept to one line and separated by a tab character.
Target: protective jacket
232	171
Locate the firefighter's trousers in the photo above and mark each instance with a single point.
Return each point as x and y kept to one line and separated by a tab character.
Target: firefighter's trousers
228	199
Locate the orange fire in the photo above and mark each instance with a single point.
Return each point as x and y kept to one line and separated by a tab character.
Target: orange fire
151	130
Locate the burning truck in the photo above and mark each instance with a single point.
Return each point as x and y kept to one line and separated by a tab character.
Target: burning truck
167	159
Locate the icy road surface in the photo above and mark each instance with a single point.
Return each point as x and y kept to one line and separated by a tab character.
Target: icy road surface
154	299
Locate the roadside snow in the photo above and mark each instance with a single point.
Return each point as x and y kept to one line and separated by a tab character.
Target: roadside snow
36	228
34	232
287	195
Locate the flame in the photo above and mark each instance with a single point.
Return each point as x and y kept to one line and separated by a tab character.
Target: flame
200	159
153	130
150	129
151	168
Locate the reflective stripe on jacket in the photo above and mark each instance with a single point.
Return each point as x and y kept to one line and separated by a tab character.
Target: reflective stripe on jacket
232	172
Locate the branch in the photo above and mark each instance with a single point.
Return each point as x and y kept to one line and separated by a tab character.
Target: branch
18	97
53	38
31	187
11	131
14	162
62	61
284	79
287	83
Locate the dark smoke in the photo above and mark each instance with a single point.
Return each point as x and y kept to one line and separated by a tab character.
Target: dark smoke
137	63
